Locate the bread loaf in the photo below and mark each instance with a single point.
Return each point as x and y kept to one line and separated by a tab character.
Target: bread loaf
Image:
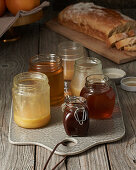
96	21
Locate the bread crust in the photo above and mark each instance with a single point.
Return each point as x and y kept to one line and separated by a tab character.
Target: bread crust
93	20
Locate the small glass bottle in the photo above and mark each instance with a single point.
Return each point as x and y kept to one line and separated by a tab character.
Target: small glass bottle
75	119
99	95
83	68
31	100
51	65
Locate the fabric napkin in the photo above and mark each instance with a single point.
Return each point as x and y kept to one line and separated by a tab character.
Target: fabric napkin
8	19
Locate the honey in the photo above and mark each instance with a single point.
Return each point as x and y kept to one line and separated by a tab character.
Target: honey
51	65
32	123
31	100
100	97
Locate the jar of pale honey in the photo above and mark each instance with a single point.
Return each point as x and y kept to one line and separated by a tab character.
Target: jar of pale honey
51	65
31	100
100	96
83	68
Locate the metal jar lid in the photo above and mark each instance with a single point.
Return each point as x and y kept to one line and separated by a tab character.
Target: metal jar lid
114	74
129	84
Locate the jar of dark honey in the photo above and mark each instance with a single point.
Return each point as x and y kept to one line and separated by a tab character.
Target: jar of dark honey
99	95
76	119
51	65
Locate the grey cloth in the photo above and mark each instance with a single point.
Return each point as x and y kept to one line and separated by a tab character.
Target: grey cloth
8	19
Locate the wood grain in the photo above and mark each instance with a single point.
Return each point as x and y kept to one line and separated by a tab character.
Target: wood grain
93	159
13	60
122	154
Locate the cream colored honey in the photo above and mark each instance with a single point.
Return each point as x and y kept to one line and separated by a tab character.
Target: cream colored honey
31	103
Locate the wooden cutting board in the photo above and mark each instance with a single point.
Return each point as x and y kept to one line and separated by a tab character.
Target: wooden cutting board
93	44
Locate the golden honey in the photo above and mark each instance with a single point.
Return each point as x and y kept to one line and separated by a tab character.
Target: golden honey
31	100
50	65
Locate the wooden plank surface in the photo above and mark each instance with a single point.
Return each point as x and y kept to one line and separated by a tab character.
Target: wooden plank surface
13	59
122	154
93	44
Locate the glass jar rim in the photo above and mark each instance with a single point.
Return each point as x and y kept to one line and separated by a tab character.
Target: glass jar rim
51	57
27	76
86	63
70	44
49	62
97	78
77	51
75	99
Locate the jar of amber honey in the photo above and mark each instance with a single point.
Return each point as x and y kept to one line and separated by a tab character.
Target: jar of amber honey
51	65
83	68
99	95
76	119
31	100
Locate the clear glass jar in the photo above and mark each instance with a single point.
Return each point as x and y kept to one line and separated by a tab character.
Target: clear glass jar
51	65
99	95
31	100
69	51
83	68
75	119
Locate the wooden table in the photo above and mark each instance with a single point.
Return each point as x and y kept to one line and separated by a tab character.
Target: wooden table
14	58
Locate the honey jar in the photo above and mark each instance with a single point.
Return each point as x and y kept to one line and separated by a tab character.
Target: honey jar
100	96
75	120
51	65
31	100
83	68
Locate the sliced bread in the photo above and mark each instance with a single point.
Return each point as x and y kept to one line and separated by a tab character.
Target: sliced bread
130	48
120	36
115	38
125	42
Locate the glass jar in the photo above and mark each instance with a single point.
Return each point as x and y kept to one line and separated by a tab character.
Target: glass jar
83	68
51	65
69	51
31	100
99	95
75	120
